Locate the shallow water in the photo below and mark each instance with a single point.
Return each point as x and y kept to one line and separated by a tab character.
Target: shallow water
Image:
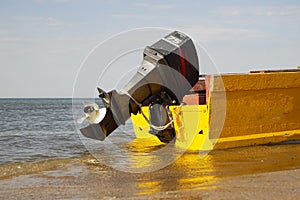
189	177
36	129
42	153
42	129
217	163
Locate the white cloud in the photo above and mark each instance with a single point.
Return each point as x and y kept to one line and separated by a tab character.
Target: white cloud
256	14
124	16
155	7
51	1
207	34
48	21
9	39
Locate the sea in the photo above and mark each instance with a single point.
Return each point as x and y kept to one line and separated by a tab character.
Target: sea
37	129
34	130
44	156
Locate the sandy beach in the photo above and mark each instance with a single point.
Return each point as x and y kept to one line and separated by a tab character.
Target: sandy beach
262	172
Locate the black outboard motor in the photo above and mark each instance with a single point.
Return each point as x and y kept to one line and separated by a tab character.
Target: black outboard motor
168	71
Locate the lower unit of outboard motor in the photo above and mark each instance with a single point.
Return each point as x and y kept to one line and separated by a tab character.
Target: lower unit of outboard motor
161	117
168	71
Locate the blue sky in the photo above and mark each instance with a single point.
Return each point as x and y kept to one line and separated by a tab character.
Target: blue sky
44	42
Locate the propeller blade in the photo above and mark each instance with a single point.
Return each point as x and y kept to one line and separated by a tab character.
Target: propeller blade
92	104
80	120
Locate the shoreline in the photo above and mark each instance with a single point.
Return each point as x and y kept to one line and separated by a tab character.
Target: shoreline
243	173
88	181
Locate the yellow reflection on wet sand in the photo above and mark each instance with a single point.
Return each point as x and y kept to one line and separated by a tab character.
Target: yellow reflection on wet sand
195	172
226	174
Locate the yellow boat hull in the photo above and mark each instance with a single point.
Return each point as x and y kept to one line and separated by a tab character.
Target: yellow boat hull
255	108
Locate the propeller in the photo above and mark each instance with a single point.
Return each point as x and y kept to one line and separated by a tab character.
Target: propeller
93	114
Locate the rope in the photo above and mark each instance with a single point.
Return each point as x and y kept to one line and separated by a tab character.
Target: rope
158	128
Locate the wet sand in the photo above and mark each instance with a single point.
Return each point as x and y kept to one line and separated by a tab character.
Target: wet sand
261	172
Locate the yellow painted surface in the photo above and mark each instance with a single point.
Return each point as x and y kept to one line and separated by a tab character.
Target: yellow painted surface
260	103
257	139
191	126
255	109
140	125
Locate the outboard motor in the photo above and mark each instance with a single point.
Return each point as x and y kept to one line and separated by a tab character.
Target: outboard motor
168	71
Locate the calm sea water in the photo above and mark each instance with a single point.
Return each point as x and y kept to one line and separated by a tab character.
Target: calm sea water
42	129
35	129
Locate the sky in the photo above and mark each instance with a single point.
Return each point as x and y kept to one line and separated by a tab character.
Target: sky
43	43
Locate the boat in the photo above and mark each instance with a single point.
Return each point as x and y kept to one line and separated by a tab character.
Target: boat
262	107
169	102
